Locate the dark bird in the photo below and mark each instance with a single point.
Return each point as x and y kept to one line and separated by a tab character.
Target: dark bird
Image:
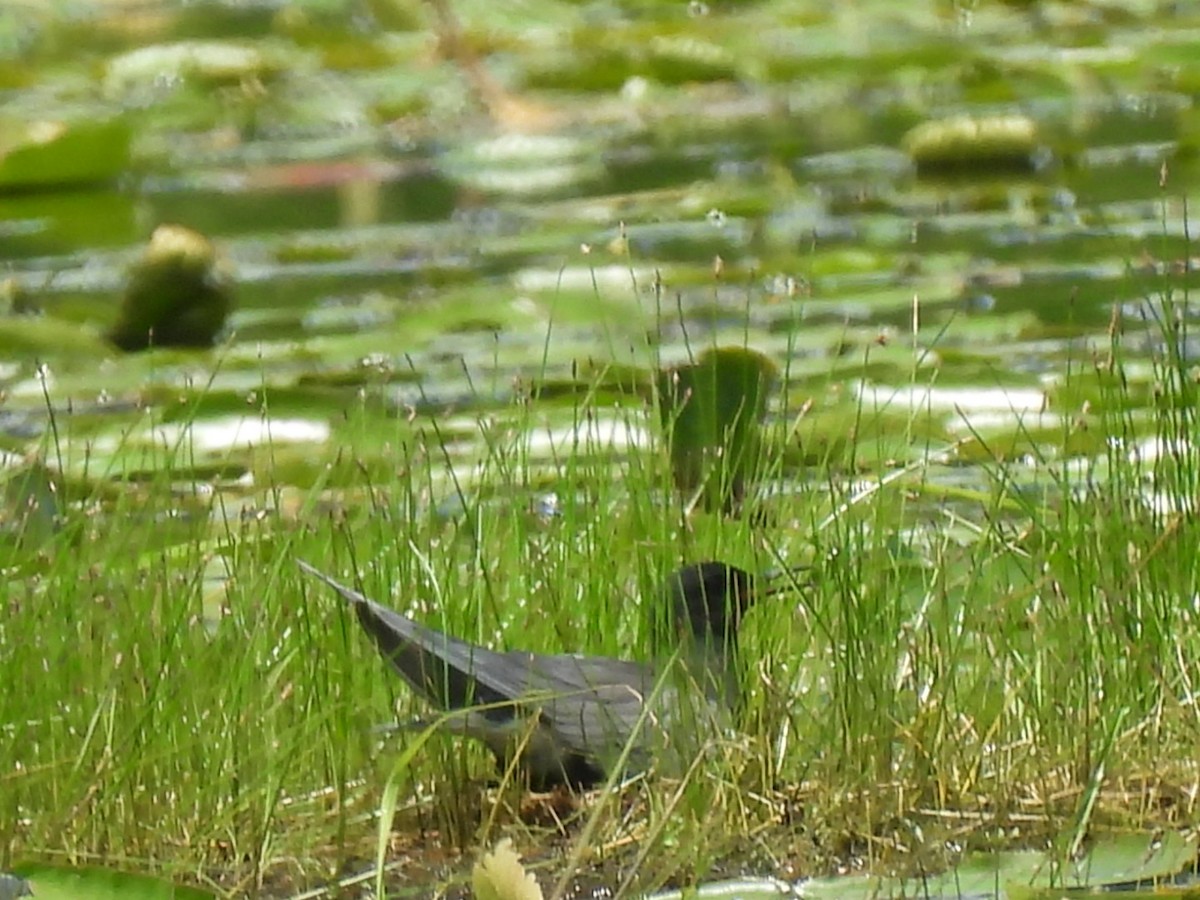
571	717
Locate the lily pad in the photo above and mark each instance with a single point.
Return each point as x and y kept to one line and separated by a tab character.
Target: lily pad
95	883
982	142
61	154
204	62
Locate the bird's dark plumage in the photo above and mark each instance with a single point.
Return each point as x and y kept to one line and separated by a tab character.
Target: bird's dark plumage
710	598
570	716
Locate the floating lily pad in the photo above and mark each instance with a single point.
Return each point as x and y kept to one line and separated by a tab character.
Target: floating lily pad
60	154
30	337
94	883
986	142
735	889
678	58
205	62
1127	863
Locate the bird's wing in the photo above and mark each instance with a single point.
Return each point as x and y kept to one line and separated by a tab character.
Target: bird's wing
593	704
663	714
448	672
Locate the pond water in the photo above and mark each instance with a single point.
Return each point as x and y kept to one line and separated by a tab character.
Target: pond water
733	175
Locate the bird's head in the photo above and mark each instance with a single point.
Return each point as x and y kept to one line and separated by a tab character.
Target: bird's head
708	601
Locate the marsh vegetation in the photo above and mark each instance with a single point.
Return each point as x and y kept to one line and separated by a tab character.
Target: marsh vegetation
454	302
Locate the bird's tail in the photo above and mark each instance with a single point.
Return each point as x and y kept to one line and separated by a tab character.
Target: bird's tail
348	594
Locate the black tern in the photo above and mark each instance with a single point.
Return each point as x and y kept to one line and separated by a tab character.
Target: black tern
571	717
